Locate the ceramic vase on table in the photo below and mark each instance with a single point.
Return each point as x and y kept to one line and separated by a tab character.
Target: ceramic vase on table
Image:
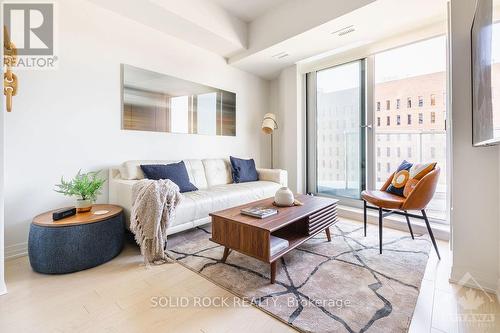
284	197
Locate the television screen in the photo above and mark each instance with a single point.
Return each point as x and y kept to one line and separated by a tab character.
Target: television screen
485	75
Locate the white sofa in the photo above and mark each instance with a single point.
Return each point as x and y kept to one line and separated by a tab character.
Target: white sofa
213	179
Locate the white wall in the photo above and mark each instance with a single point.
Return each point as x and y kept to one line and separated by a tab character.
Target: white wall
69	118
290	143
475	171
3	289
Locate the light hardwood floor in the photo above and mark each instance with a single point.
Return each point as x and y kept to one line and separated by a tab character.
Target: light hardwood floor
117	297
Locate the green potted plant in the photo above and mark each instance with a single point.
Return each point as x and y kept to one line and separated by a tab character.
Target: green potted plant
85	186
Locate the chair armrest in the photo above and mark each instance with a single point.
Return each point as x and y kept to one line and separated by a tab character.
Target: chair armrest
274	175
387	182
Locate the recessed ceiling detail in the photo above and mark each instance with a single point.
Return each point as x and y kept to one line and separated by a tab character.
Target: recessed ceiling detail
359	27
344	31
280	55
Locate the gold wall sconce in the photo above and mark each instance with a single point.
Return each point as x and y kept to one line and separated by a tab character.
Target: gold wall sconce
10	81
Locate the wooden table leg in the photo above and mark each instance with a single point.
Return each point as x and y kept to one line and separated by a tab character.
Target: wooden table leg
273	272
328	236
226	253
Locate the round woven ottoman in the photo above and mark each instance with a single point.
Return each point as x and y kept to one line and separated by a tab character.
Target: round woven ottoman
76	243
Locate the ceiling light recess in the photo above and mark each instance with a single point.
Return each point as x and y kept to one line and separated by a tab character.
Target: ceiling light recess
344	31
280	55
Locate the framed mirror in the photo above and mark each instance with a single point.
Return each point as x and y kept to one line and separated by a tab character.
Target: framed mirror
162	103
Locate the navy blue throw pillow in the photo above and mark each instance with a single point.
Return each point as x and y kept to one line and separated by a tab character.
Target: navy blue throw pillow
176	172
400	178
243	170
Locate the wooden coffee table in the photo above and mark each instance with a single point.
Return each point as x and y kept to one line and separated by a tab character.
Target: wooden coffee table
251	236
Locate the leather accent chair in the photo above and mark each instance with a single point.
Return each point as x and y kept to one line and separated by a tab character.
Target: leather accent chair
387	203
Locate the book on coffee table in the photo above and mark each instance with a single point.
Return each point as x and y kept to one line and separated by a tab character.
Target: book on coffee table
259	212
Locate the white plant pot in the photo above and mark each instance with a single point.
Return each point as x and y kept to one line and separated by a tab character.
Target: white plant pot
284	197
83	206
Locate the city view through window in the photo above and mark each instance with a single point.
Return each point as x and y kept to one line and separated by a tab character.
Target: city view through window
409	119
339	92
416	130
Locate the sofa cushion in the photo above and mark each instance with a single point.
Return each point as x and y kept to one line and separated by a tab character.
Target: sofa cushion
220	197
196	172
185	211
243	170
217	172
230	195
176	172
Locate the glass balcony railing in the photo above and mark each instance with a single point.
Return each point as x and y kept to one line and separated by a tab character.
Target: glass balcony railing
415	147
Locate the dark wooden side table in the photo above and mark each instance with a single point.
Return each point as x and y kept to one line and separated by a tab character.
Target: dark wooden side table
77	242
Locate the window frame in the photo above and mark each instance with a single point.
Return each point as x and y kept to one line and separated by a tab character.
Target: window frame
368	54
311	142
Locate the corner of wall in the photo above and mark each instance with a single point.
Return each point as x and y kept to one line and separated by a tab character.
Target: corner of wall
497	293
464	276
3	289
290	136
475	245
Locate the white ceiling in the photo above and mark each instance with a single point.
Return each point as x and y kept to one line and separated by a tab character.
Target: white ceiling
200	22
248	10
375	22
265	36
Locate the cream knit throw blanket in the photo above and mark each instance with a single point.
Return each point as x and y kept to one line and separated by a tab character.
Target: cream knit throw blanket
153	208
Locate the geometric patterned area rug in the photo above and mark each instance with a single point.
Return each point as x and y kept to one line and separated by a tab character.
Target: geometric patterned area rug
338	286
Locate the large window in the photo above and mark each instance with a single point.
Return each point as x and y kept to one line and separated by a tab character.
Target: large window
336	111
411	78
418	70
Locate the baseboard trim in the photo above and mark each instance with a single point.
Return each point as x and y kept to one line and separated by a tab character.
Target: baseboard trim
440	232
16	251
473	279
3	288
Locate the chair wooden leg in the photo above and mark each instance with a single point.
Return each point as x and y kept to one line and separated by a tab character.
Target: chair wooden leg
409	225
364	214
380	228
430	233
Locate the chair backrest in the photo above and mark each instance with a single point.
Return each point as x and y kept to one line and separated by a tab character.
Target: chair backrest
423	191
